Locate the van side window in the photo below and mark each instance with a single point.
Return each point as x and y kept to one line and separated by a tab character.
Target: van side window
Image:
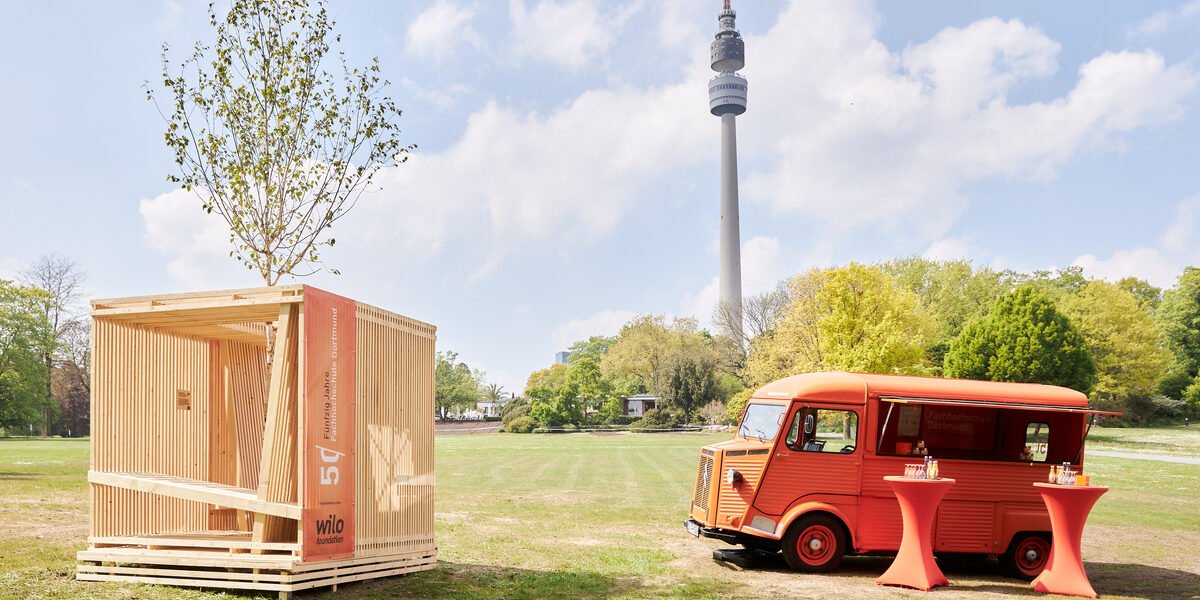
822	430
1036	436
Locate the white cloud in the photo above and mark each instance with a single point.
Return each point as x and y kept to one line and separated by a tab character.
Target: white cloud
197	242
564	178
1159	265
954	248
441	29
570	33
605	322
1142	262
1162	20
1179	233
867	137
171	12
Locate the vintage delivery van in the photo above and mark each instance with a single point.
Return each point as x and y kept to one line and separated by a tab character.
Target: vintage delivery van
804	473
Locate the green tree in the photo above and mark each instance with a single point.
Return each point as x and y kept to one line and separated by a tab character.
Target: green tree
550	377
1122	339
271	140
852	318
952	292
593	348
1149	297
62	281
455	384
691	384
556	407
647	342
1179	322
25	337
594	389
1024	338
1054	284
493	393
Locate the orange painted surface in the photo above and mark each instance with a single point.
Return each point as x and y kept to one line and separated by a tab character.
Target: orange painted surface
327	425
914	566
1069	506
978	446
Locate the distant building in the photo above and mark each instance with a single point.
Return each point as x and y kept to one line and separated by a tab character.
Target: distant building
489	409
560	358
636	406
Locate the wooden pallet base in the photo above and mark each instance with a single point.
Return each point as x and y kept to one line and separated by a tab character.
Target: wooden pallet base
216	569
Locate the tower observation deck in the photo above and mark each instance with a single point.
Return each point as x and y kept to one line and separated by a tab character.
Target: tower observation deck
727	99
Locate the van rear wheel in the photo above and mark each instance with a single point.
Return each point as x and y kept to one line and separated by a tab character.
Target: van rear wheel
1027	555
815	543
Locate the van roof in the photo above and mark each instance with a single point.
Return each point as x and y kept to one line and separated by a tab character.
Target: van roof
855	388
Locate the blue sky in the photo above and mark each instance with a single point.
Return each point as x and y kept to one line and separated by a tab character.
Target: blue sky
566	177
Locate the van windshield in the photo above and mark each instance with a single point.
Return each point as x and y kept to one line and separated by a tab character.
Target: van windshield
761	421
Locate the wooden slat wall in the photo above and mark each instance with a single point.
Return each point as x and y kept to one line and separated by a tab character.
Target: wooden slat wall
394	428
137	426
248	367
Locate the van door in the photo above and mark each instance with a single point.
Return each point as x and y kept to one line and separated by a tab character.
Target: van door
819	455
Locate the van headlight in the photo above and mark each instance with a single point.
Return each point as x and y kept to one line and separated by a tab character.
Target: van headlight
733	477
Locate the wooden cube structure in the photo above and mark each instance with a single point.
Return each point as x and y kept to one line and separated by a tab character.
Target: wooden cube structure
212	468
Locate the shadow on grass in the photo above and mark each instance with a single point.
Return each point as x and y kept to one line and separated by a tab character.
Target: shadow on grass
15	476
979	574
469	581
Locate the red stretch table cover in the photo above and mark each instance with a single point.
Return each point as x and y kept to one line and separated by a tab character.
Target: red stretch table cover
914	566
1069	506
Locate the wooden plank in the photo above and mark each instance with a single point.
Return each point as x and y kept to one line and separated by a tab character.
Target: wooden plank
193	558
237	585
206	540
222	575
278	290
197	491
277	476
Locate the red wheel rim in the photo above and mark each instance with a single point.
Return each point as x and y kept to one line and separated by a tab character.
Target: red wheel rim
815	546
1031	555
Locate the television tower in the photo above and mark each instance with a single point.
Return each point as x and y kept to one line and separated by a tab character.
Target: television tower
727	99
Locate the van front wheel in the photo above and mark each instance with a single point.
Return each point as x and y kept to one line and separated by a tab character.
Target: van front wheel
815	543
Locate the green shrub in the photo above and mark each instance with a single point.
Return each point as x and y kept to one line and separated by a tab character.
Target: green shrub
522	424
658	418
623	420
516	413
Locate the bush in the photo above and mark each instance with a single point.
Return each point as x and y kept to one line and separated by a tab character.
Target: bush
513	405
514	414
623	420
491	419
658	418
522	424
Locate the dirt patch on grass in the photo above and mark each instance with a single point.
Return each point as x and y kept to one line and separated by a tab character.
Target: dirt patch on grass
466	427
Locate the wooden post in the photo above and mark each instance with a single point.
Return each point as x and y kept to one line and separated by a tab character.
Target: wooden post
277	472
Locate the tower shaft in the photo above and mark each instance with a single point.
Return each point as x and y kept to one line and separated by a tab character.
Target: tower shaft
730	290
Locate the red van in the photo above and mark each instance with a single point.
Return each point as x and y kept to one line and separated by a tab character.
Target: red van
804	473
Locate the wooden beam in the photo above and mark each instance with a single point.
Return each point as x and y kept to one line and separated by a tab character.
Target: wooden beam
196	490
277	476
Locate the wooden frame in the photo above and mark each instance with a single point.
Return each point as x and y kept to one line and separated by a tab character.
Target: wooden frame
212	469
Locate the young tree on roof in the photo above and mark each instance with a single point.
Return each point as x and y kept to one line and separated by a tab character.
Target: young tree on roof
273	134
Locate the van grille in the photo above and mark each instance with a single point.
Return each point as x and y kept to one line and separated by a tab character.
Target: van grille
703	481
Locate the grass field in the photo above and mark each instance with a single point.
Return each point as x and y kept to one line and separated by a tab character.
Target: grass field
600	516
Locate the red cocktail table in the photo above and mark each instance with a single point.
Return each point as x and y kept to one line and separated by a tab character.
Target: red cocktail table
1069	506
914	566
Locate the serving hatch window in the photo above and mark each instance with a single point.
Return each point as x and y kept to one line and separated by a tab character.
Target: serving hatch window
761	421
1037	436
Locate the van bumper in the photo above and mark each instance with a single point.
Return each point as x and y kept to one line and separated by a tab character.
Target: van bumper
695	528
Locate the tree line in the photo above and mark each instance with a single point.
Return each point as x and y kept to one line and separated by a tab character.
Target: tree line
45	351
1132	347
